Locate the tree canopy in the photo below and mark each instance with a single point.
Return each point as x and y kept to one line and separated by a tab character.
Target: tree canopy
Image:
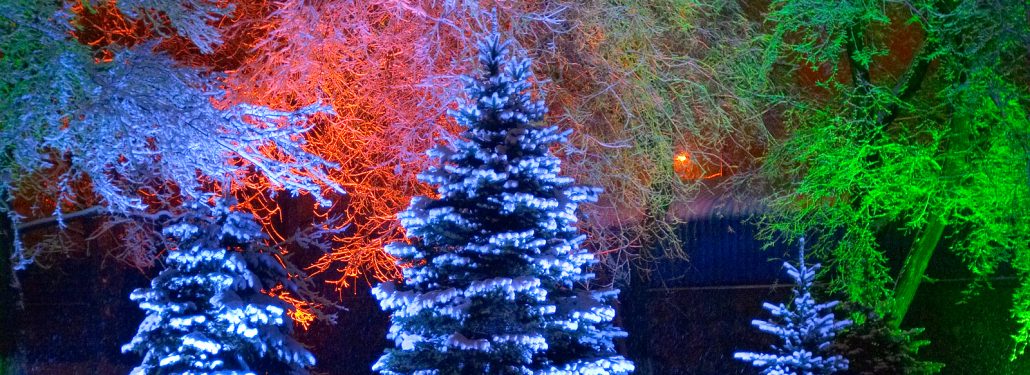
917	119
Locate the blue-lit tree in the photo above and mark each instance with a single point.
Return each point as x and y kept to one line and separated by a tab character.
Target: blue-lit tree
138	121
206	313
806	329
116	133
493	263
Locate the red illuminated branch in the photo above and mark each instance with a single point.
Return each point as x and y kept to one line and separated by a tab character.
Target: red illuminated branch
388	68
371	60
302	312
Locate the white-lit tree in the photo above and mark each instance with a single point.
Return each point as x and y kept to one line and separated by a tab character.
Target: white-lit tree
206	311
135	122
806	329
93	137
494	262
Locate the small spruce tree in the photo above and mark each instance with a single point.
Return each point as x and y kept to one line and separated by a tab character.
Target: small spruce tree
805	327
875	347
491	268
206	313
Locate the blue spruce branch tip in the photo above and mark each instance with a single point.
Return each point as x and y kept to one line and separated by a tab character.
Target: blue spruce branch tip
806	328
206	313
492	263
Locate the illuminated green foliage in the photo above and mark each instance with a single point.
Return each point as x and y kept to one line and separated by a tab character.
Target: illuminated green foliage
937	145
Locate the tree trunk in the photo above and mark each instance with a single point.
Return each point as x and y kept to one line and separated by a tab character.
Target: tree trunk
954	153
10	298
915	267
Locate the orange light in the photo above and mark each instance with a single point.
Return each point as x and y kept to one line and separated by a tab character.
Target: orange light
688	169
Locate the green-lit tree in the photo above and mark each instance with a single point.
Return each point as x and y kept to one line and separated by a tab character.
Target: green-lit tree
935	143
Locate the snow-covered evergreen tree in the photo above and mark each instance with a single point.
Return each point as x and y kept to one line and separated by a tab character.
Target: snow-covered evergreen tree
805	327
492	264
206	313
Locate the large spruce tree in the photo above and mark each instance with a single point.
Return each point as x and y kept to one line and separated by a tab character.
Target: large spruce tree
494	261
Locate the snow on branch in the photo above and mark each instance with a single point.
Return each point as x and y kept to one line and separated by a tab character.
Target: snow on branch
805	327
137	121
191	19
141	115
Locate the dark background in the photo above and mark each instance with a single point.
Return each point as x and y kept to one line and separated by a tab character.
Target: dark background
78	314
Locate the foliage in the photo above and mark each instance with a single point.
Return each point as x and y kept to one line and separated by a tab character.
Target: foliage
124	129
938	138
207	312
875	347
389	69
806	328
652	89
193	19
384	68
493	259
